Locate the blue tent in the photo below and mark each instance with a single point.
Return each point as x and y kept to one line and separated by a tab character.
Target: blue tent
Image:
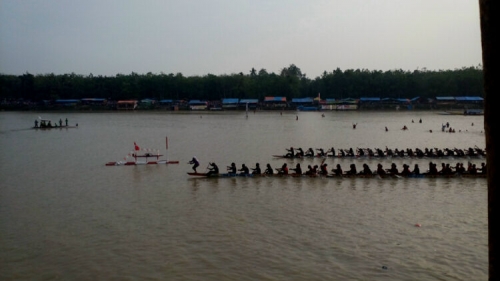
249	101
93	100
274	99
445	98
368	99
302	100
469	99
67	101
197	102
166	101
230	101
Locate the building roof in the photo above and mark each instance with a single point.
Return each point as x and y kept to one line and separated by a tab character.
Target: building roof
197	102
93	99
227	101
403	100
249	101
270	99
445	98
67	101
369	99
126	101
302	100
469	98
148	101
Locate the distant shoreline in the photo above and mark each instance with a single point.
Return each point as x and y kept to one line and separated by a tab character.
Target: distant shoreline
445	111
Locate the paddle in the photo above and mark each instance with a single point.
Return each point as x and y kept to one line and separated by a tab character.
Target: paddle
322	162
332	151
479	150
229	169
397	176
279	170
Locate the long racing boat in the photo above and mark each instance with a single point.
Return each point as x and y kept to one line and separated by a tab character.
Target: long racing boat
333	176
367	153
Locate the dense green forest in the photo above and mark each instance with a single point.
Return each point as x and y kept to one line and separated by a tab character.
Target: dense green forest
289	83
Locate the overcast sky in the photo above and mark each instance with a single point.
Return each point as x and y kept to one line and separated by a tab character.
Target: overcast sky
200	37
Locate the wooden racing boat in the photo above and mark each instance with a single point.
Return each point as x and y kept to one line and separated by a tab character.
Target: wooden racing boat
231	175
377	176
399	176
377	156
303	157
46	124
54	127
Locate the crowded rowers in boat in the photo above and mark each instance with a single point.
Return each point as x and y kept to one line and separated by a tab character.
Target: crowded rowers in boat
446	170
387	152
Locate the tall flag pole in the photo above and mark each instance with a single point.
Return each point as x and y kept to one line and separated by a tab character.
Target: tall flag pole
136	148
166	148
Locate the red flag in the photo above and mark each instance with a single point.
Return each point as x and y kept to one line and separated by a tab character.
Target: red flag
136	147
166	142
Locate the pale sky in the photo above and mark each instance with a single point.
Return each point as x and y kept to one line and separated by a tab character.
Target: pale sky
200	37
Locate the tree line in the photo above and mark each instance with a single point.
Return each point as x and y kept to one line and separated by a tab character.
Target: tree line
289	83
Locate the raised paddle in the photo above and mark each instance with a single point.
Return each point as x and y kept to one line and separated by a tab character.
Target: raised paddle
206	169
322	162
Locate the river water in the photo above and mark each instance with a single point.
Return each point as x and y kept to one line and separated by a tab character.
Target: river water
64	215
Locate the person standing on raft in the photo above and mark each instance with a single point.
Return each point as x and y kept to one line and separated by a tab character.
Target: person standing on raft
195	163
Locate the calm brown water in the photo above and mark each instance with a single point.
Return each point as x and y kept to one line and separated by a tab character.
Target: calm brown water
64	215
